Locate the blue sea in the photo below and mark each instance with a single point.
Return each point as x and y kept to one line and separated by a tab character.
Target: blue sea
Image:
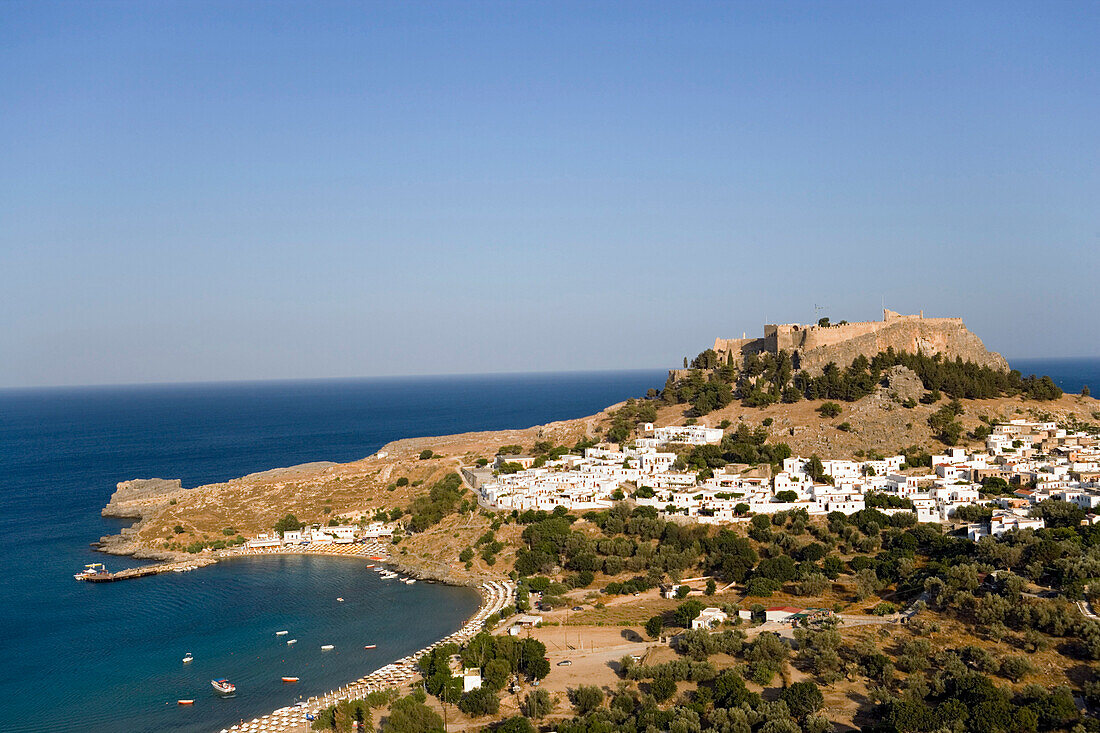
94	658
1069	374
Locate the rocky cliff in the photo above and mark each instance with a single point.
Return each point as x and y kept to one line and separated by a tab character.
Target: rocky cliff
140	497
946	336
814	346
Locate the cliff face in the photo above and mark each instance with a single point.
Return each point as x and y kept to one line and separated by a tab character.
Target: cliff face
947	336
815	346
134	499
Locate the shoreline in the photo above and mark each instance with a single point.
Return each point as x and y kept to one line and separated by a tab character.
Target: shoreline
495	595
394	675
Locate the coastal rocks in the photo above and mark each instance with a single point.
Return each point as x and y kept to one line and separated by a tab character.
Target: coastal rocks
137	498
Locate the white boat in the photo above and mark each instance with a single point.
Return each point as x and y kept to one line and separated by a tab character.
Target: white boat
223	686
327	647
91	570
187	657
291	641
280	633
409	581
340	599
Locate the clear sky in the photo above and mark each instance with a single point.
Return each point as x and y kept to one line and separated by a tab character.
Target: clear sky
236	190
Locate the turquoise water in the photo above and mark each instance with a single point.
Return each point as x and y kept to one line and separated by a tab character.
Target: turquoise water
101	658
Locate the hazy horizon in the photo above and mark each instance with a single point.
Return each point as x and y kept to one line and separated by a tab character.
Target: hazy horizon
440	375
208	192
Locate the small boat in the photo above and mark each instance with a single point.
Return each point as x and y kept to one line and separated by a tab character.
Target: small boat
370	646
290	679
281	633
185	702
291	641
410	581
370	566
92	571
327	647
340	599
187	657
223	687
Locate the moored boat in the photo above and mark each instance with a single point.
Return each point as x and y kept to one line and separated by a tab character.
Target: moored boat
327	647
92	571
290	679
187	657
185	702
281	633
291	641
370	646
223	686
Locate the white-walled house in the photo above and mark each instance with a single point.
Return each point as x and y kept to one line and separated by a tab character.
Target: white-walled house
708	618
1001	522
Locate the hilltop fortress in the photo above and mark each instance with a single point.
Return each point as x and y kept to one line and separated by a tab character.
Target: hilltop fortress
812	347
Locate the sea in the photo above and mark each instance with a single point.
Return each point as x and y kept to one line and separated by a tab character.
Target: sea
108	657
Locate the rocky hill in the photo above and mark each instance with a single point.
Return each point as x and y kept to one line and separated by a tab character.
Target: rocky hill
814	346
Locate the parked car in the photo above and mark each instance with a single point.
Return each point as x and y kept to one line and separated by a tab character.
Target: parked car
565	663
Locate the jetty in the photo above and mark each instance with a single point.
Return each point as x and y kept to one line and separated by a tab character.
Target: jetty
372	550
140	572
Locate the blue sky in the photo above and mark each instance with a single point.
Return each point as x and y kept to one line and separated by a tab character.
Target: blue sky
204	191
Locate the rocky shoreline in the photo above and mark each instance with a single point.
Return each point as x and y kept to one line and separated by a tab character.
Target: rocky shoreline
139	499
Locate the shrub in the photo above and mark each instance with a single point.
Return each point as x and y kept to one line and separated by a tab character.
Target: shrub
829	409
662	688
480	701
802	698
538	704
586	698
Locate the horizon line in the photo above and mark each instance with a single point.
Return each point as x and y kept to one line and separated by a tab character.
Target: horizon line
277	380
503	373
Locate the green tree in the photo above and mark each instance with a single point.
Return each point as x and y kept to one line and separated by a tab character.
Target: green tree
515	724
586	698
538	704
410	715
480	701
289	523
767	656
686	612
803	699
662	688
654	625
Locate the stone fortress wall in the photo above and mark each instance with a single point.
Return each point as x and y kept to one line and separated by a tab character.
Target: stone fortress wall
815	346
